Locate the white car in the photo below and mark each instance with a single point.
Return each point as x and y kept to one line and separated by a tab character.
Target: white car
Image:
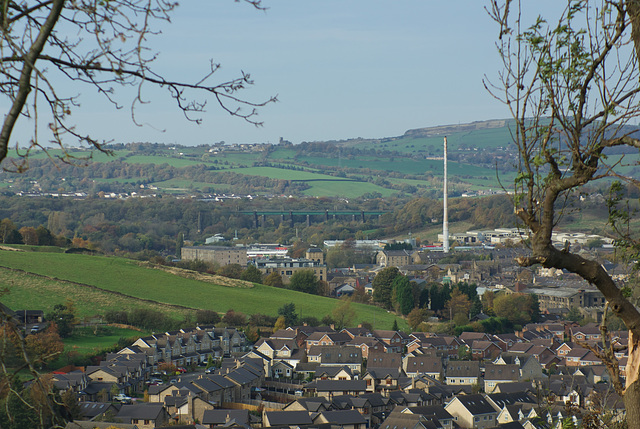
121	397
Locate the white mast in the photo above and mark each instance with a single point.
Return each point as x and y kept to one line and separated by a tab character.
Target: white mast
445	215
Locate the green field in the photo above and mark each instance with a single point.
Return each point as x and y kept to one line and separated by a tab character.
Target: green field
283	174
129	278
345	189
84	341
159	160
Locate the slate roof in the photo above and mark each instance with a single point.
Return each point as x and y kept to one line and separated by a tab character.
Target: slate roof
432	410
314	403
502	372
89	410
337	354
220	417
384	360
286	418
476	404
144	411
337	385
97	425
463	369
357	332
424	364
380	373
331	371
502	399
397	420
375	399
344	417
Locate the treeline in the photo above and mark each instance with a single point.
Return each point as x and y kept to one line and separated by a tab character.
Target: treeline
129	176
488	212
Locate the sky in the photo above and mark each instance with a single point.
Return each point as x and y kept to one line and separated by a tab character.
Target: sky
340	68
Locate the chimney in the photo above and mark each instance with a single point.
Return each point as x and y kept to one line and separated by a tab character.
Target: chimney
445	214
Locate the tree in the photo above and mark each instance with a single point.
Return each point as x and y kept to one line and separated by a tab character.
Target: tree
288	311
63	316
343	314
402	294
274	279
304	281
234	318
101	48
233	271
416	317
44	346
9	233
29	235
382	289
458	304
207	317
280	324
251	274
518	308
179	244
572	89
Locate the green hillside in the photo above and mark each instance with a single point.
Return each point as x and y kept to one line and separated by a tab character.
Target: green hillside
96	279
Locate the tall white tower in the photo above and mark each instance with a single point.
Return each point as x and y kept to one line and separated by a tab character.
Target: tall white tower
445	214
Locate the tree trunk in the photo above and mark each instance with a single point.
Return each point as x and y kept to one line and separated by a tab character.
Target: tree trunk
631	395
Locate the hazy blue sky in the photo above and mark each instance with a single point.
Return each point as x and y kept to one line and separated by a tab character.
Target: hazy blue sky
341	69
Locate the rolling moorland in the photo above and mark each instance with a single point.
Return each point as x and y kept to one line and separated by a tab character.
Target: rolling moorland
481	160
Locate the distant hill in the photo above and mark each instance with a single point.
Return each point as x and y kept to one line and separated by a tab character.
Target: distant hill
444	130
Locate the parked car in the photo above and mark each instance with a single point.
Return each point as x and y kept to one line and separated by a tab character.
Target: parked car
121	397
35	329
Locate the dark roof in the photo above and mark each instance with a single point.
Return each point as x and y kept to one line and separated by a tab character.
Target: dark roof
432	410
286	418
145	411
502	399
397	420
220	417
463	369
90	410
337	385
344	417
424	364
502	372
476	404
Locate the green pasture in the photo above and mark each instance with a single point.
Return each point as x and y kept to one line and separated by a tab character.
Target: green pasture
127	277
403	165
239	158
26	290
84	341
345	189
183	184
283	174
159	160
282	153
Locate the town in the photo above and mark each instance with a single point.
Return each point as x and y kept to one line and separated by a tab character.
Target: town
541	374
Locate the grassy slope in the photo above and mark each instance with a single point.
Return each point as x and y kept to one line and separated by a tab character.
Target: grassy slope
83	340
127	277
